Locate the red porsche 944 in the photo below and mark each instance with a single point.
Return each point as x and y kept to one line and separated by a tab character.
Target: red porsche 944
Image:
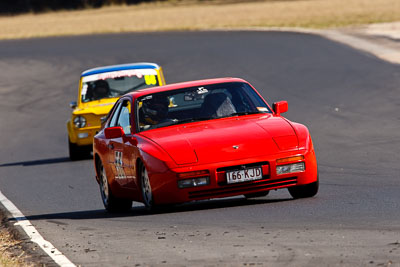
200	140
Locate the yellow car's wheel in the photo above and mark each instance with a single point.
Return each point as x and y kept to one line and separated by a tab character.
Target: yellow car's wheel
78	152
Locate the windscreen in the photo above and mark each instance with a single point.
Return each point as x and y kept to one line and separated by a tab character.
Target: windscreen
116	83
198	103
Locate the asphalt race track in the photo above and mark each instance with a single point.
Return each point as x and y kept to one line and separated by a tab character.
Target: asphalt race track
349	100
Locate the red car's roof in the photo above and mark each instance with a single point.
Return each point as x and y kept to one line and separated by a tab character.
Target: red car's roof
181	85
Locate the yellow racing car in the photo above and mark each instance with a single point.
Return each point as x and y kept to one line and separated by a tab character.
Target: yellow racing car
99	89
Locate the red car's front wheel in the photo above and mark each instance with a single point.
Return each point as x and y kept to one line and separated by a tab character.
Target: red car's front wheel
304	191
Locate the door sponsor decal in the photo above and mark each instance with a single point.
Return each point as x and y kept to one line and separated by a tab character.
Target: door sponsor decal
118	166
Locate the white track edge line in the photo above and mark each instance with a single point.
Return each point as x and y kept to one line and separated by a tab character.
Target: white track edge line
34	235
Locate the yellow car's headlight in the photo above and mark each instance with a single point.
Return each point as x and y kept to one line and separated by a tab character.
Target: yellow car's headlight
80	122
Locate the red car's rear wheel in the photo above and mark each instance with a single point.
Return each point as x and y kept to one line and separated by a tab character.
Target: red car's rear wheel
147	192
111	203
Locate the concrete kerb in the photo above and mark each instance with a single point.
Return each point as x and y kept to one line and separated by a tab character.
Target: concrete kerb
360	38
379	49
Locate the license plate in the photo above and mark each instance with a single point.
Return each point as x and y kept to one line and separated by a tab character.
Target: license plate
245	175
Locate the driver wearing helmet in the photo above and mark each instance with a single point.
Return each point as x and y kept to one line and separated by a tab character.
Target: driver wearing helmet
154	111
101	89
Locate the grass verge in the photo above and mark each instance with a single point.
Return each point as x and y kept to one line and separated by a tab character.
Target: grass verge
12	253
193	15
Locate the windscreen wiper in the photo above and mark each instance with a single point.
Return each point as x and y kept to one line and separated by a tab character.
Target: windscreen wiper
244	113
193	120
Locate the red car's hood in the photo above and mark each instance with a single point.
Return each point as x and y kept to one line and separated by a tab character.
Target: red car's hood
225	139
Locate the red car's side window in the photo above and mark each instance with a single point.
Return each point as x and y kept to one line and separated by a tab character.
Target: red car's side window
121	116
115	116
124	117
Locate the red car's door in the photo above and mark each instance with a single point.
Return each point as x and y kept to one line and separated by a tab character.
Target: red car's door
120	149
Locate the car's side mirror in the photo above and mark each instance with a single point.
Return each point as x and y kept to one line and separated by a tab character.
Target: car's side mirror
280	107
72	104
114	132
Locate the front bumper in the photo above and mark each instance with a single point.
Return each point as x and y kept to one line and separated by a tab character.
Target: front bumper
166	191
82	136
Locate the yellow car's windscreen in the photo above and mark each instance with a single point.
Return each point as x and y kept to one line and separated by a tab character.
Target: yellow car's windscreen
116	83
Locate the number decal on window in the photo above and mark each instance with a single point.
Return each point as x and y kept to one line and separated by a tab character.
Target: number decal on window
150	79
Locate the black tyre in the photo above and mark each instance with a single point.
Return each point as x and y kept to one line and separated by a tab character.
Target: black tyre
259	194
110	202
304	191
78	152
74	153
147	192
